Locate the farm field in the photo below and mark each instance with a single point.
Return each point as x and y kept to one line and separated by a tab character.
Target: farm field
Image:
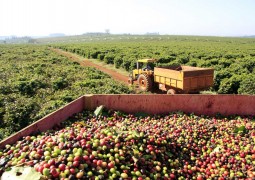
232	58
127	90
116	74
36	81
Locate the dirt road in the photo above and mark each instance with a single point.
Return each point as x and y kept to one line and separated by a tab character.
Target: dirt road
85	62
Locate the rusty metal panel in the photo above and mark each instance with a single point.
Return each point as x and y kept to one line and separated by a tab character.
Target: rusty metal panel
202	82
199	104
198	72
209	81
186	84
198	82
194	83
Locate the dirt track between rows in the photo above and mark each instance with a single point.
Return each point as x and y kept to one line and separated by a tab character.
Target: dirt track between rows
85	62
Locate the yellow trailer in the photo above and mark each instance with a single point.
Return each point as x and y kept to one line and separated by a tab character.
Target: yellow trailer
172	79
183	79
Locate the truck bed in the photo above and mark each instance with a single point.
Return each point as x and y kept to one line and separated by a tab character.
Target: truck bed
149	103
186	78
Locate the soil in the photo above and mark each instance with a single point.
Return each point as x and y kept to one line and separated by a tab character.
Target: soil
85	62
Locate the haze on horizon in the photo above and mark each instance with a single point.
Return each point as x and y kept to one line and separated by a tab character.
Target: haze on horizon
174	17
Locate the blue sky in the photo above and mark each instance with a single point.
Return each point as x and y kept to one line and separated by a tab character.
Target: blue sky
177	17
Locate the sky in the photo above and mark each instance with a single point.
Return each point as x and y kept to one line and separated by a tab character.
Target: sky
174	17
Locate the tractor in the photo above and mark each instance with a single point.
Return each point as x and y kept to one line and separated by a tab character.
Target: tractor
143	74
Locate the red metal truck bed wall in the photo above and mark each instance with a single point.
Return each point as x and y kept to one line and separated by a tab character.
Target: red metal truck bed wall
153	104
156	104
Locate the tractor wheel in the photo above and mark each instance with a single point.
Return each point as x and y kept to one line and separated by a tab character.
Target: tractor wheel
145	82
171	91
130	81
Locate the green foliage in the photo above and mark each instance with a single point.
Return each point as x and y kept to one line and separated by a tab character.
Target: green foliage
230	85
29	87
117	61
225	63
100	56
219	76
192	63
248	85
166	59
228	56
95	54
59	83
36	81
240	129
183	59
126	64
109	58
248	64
18	111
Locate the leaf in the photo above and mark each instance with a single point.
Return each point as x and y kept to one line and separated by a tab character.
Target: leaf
21	173
135	133
147	157
169	154
135	151
98	110
240	129
118	113
110	118
141	114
